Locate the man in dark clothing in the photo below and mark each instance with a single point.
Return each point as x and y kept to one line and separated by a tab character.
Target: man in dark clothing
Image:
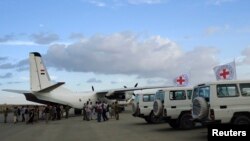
58	112
6	111
116	108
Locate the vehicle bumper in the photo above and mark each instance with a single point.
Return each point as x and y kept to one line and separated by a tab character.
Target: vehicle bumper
206	122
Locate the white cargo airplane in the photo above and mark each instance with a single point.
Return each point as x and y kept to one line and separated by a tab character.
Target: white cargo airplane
44	91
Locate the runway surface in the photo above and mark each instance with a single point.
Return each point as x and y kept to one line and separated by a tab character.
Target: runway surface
128	128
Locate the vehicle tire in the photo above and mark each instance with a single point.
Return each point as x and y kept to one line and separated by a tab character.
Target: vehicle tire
200	108
174	123
186	122
147	119
153	118
157	108
241	119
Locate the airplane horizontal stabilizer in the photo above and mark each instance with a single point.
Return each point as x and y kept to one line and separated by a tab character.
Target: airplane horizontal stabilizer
16	91
50	88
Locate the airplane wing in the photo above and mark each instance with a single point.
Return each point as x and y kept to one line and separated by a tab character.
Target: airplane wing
111	92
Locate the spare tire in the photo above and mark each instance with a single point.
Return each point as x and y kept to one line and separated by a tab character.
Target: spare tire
134	108
200	108
157	107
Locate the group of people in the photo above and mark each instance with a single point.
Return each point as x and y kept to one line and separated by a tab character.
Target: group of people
23	114
34	113
101	111
55	112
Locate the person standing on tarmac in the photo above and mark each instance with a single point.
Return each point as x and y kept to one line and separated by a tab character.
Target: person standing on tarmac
46	112
84	112
15	115
67	111
6	111
116	108
99	111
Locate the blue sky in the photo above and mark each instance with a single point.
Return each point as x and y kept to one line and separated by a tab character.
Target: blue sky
111	43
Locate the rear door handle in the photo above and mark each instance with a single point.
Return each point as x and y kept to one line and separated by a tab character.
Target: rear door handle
145	106
173	107
223	107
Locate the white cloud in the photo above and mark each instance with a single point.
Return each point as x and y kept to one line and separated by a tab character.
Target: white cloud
118	3
246	56
44	38
7	75
41	25
18	43
219	2
97	3
6	38
212	30
126	53
145	1
93	80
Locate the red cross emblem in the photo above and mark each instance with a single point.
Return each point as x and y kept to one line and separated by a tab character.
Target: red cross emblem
180	80
224	73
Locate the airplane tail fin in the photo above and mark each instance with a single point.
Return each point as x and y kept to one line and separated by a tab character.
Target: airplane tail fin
39	77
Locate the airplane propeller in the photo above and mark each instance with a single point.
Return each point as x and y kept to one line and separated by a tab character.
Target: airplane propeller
136	85
93	89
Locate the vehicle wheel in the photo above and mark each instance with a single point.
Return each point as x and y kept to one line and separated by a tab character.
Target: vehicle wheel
157	108
153	118
200	108
174	124
241	119
185	121
147	119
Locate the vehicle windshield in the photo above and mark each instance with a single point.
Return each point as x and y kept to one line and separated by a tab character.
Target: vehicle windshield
202	92
160	95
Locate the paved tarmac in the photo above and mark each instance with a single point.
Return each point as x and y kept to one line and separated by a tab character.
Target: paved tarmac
128	128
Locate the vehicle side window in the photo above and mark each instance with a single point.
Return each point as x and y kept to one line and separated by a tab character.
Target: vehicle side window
152	97
148	98
189	94
245	89
177	95
227	90
145	98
